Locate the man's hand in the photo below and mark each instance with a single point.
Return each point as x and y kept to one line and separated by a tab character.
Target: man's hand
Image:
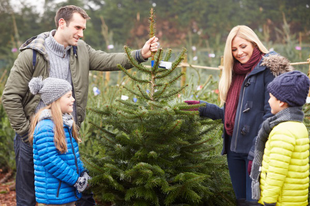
150	46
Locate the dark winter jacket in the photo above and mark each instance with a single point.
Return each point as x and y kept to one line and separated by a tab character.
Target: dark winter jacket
55	173
20	104
253	108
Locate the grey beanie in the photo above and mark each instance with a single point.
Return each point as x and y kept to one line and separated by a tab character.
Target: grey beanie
291	87
50	88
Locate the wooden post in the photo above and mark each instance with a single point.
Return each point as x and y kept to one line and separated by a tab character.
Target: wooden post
183	78
221	66
105	31
107	78
300	44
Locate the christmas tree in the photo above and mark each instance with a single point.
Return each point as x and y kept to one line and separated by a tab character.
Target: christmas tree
157	150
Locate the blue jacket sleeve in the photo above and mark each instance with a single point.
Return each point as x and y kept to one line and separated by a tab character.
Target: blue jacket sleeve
50	157
211	111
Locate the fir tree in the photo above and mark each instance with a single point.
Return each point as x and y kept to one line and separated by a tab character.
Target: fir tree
157	150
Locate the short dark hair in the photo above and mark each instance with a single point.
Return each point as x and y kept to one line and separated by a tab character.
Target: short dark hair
67	12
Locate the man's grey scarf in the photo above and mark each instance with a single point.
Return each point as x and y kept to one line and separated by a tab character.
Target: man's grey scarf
66	118
288	114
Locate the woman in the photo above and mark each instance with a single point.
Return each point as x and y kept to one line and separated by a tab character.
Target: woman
243	92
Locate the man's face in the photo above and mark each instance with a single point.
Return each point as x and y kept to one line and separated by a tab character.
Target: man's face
72	31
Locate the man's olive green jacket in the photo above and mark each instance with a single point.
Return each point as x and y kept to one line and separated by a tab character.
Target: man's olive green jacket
20	104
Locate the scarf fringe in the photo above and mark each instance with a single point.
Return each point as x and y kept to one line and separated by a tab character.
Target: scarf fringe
255	190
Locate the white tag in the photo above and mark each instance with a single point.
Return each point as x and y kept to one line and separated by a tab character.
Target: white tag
96	91
124	97
165	65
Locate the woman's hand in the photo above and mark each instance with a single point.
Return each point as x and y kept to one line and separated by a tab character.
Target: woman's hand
192	102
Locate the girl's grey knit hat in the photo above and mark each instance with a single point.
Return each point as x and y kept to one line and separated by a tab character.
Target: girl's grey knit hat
50	89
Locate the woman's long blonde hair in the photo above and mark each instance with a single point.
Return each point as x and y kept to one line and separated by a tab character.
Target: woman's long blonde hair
59	133
243	32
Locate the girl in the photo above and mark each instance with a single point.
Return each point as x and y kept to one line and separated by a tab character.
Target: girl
59	172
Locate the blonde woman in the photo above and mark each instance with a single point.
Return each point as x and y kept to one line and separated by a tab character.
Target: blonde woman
243	93
59	172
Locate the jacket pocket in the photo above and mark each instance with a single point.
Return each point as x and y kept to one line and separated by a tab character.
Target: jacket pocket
58	189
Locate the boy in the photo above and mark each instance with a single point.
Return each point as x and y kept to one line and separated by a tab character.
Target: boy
280	170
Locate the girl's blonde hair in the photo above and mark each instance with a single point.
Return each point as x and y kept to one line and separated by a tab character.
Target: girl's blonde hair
59	133
243	32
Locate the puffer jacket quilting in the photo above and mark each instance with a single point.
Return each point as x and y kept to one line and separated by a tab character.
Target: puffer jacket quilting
55	173
285	167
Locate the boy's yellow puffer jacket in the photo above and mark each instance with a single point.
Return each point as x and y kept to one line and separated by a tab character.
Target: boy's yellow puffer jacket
285	168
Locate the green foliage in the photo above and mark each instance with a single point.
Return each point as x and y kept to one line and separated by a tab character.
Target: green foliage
154	150
178	25
7	157
205	21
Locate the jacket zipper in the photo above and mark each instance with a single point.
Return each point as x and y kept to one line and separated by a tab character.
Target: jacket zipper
58	189
75	159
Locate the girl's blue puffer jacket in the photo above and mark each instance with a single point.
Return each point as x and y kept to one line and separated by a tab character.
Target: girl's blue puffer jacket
253	108
55	173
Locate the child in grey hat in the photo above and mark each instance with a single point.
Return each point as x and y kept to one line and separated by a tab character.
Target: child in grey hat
280	170
59	173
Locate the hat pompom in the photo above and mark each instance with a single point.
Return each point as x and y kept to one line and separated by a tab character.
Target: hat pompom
35	85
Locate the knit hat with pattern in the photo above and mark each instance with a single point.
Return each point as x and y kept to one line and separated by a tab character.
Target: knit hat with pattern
291	87
50	88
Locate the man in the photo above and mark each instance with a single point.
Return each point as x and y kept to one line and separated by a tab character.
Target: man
60	54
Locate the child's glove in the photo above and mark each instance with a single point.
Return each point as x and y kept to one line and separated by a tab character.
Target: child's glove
81	184
270	204
85	174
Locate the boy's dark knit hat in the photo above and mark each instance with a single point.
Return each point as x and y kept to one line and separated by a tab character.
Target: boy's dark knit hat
291	87
50	88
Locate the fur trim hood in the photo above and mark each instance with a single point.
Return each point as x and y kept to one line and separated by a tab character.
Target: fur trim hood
277	64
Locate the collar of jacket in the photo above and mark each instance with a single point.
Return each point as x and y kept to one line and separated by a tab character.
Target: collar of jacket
37	43
259	68
67	118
